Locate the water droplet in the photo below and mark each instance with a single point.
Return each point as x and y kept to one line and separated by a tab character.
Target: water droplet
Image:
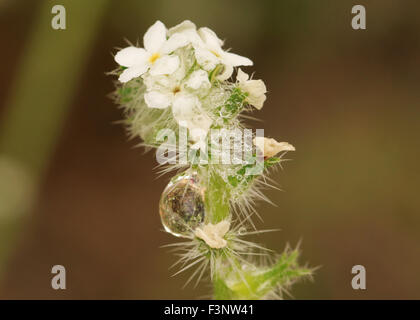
181	205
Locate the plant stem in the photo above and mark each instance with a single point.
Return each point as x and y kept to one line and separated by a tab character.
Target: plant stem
218	209
217	199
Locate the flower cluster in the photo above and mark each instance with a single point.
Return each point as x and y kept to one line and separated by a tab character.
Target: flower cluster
177	67
182	79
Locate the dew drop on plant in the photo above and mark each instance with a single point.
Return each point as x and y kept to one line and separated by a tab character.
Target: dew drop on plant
181	205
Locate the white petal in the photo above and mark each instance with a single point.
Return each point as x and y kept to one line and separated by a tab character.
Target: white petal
213	234
155	37
183	106
193	37
198	134
156	99
235	60
206	59
131	56
242	76
132	72
226	73
202	120
271	147
158	83
181	27
197	79
187	111
256	101
285	146
176	41
222	228
256	90
210	38
188	29
165	65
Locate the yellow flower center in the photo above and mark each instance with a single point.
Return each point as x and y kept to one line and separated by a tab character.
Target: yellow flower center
154	57
215	53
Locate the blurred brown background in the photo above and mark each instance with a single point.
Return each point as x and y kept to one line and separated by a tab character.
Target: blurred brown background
74	191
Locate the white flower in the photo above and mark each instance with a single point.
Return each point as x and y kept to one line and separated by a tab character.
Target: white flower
155	55
213	234
189	30
255	88
198	79
211	54
181	94
208	49
271	147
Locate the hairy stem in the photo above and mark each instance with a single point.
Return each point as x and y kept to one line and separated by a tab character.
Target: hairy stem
217	200
218	209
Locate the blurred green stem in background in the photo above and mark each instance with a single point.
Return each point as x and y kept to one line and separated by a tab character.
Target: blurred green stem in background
52	63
